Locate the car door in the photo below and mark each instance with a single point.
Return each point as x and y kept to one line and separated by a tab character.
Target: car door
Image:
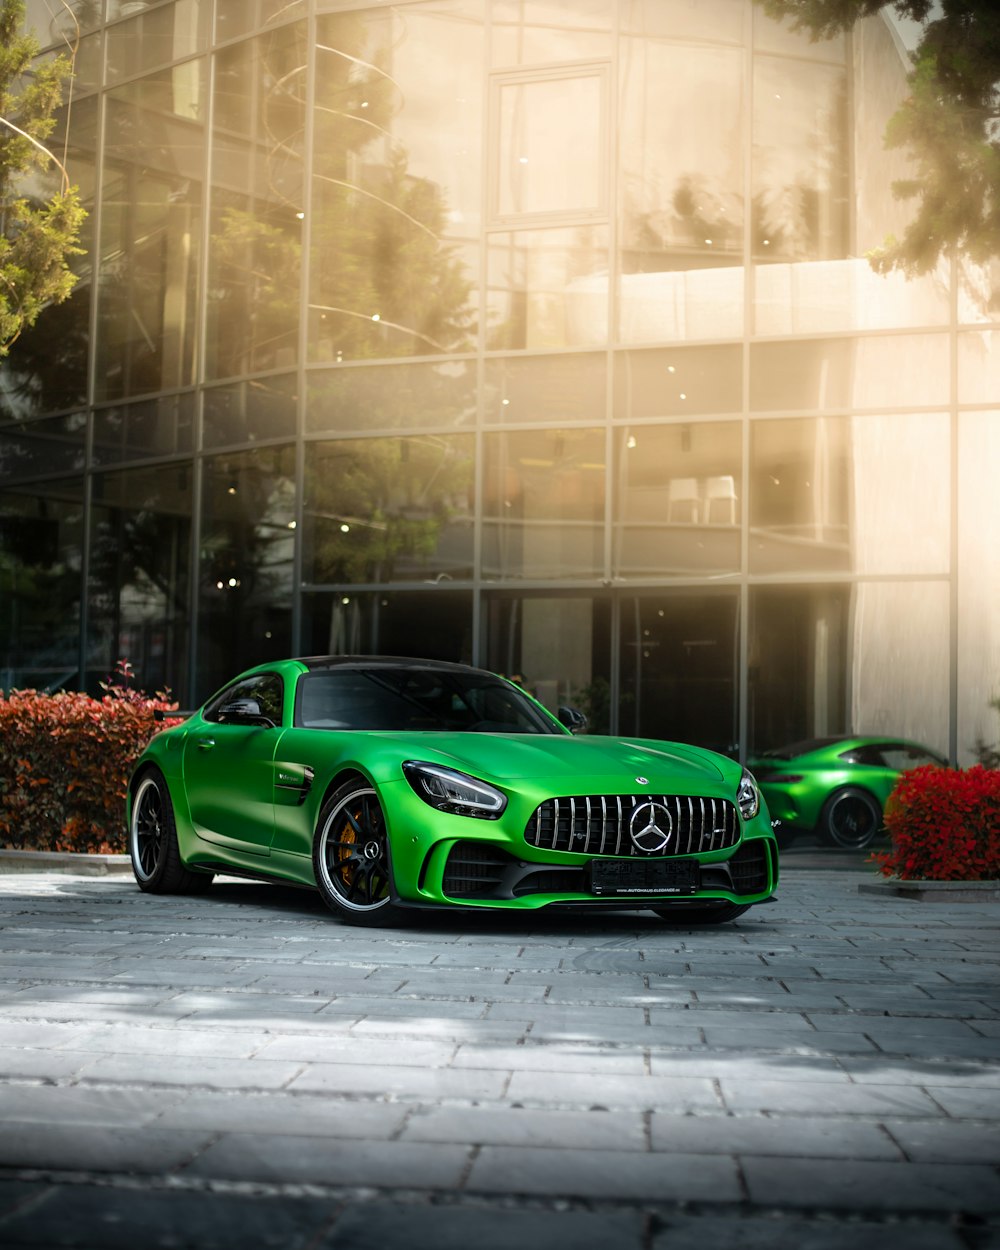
229	769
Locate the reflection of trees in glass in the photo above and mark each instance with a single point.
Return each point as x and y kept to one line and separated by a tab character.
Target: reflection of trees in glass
377	510
257	203
39	590
139	584
383	281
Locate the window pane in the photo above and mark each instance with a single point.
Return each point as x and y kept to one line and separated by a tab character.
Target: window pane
899	639
799	163
771	35
546	388
388	509
678	381
139	587
542	166
797	664
239	17
548	288
150	227
682	191
155	427
557	647
396	198
248	411
257	204
720	21
533	32
543	510
156	37
806	297
31	448
245	574
40	562
978	581
427	624
47	370
678	669
979	367
893	371
865	494
54	21
678	506
800	473
377	397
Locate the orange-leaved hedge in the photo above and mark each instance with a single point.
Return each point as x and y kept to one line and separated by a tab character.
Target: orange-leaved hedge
65	761
944	824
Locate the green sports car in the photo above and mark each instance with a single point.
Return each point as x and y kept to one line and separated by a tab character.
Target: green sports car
393	783
836	786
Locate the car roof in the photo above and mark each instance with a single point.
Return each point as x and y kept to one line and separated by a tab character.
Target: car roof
313	662
809	746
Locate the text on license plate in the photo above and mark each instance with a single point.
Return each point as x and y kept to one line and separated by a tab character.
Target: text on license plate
610	877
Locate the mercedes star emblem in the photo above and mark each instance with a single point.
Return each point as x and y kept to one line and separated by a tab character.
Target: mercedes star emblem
651	827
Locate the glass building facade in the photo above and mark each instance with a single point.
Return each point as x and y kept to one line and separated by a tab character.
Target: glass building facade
532	333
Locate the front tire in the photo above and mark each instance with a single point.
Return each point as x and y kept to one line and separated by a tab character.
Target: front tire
152	841
721	913
351	856
850	820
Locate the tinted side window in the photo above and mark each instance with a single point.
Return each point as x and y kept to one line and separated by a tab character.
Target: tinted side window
867	755
902	756
266	689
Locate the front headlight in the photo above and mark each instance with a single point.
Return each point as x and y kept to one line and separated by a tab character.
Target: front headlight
451	791
748	796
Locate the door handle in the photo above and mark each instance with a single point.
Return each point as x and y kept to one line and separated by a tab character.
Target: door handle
206	744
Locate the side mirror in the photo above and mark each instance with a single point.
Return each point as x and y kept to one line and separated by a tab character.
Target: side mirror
573	719
244	712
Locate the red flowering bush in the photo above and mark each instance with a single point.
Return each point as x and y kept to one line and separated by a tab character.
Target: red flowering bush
944	824
65	761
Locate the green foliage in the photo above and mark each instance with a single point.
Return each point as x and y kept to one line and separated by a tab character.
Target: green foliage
65	760
38	233
949	123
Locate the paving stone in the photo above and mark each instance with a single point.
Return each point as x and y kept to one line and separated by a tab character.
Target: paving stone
97	1148
820	1074
304	1160
613	1092
609	1175
873	1186
518	1126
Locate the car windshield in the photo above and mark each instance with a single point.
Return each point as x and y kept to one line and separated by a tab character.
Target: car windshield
409	699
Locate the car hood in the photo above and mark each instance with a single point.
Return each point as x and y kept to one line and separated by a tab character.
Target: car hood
509	757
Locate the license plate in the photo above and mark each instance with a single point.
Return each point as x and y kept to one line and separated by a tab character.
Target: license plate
630	877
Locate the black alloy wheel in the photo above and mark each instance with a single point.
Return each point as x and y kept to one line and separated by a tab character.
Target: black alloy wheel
851	819
152	841
351	856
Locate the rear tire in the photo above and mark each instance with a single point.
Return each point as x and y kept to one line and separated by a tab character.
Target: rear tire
851	819
681	914
152	841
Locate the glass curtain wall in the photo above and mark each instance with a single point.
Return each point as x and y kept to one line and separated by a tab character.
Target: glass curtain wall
536	333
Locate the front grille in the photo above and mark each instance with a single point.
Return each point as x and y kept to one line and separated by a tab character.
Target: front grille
600	824
748	868
475	869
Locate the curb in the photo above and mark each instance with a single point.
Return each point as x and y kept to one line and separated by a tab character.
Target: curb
937	891
64	861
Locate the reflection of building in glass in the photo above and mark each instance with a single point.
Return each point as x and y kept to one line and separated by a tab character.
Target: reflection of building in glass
536	333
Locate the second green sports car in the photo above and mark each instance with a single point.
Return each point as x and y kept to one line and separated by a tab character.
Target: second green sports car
392	783
836	786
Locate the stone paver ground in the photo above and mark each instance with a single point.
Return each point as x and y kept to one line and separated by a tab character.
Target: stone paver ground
238	1070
